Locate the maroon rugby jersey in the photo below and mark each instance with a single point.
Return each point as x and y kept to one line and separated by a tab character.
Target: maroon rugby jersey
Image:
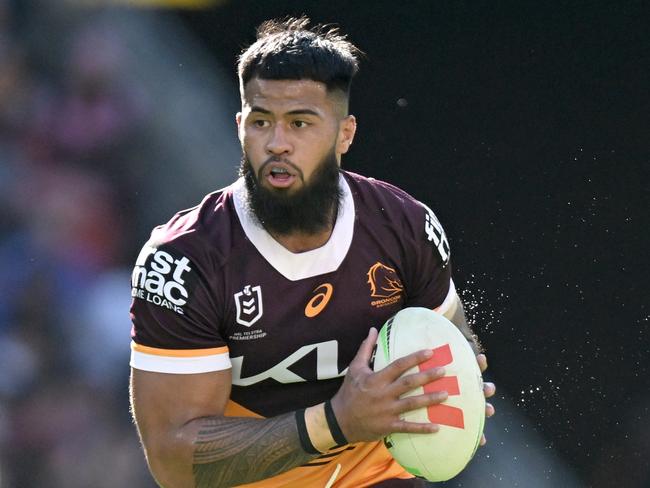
212	290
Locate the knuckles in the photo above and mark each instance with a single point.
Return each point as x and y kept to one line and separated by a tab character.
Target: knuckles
371	402
410	382
407	362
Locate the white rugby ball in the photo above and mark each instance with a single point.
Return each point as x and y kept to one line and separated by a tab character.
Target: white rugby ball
441	455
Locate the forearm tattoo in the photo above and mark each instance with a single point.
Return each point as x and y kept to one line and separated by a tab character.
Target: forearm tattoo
232	451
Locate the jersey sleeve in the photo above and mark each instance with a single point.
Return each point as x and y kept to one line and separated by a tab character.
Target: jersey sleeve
429	263
174	315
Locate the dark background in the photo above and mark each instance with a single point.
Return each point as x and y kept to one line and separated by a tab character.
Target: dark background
524	126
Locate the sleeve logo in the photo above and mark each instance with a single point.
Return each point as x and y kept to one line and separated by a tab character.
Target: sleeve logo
436	235
161	277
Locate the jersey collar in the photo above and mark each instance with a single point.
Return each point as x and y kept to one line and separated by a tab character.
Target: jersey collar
298	266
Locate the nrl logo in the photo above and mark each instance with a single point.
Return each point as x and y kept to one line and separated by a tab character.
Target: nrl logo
249	305
384	285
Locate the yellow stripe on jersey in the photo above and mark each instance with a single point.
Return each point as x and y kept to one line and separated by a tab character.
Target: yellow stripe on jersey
234	409
179	361
179	353
354	466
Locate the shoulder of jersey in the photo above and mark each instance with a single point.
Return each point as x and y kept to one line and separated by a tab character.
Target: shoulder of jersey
207	223
386	200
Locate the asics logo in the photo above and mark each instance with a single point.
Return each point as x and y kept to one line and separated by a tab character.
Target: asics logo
319	301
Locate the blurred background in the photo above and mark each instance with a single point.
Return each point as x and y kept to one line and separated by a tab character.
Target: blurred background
523	125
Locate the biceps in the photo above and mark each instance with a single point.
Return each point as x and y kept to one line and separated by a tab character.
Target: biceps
164	403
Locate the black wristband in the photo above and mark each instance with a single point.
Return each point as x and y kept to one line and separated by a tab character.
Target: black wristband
332	423
305	441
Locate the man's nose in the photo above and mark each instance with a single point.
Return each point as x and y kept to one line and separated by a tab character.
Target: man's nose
279	142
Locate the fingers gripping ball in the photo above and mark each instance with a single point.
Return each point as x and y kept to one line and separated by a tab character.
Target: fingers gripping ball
442	455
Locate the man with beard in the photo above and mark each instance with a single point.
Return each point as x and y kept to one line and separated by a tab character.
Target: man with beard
256	312
283	213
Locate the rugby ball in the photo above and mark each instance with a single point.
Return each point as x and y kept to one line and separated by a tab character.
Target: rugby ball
441	455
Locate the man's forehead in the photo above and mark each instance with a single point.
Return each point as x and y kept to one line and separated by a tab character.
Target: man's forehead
261	92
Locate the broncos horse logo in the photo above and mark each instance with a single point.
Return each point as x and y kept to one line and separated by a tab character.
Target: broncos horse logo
383	281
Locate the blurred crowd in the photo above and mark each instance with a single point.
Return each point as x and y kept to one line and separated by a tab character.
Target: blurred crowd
65	138
80	141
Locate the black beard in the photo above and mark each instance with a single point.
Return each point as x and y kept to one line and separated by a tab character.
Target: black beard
310	210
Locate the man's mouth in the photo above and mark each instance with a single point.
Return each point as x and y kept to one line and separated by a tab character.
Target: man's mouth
280	175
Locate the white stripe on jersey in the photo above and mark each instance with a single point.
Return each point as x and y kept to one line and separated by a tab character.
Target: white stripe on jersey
449	301
179	365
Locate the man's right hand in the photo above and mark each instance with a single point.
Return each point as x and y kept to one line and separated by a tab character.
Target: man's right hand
368	404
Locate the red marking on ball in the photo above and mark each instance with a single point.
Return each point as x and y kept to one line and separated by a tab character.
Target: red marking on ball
443	414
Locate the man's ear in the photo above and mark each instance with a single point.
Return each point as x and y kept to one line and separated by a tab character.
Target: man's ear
347	129
238	120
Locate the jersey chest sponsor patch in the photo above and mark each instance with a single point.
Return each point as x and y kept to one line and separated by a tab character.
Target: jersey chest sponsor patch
163	277
285	371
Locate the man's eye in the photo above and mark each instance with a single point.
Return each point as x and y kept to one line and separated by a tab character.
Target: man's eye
300	124
261	123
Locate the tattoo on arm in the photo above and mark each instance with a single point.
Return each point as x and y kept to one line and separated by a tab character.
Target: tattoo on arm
234	450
